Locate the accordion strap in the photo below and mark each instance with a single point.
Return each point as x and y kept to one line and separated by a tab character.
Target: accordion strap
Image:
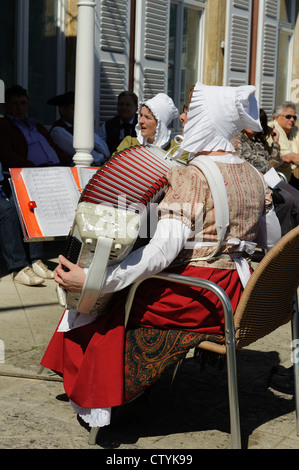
95	275
219	195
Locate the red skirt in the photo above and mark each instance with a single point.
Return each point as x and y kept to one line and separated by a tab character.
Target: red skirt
92	359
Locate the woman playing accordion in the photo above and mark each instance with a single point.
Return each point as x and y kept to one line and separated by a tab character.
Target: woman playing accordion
105	364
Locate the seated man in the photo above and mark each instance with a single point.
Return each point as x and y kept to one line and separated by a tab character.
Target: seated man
17	255
62	129
116	129
25	142
284	122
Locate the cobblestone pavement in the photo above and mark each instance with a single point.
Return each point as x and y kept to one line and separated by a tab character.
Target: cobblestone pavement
193	414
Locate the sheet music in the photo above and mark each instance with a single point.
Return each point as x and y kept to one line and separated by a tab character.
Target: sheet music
56	195
272	178
85	174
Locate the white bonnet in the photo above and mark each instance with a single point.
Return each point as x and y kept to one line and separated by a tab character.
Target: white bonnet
164	110
216	114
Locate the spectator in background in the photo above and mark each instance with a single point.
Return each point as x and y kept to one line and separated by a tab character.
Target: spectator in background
284	120
24	141
154	118
62	129
253	147
114	130
22	260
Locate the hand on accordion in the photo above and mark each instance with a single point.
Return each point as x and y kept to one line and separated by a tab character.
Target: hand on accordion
71	281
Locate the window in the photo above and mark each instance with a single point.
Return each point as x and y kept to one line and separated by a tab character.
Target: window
287	11
33	52
286	30
8	41
185	49
284	61
42	57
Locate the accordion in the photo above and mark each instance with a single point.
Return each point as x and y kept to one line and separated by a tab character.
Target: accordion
112	214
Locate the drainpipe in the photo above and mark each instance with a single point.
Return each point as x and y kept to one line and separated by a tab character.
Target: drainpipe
84	84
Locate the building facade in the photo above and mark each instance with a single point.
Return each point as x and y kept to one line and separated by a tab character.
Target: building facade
152	46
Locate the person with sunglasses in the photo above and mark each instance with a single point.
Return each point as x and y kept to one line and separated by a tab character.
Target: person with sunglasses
284	121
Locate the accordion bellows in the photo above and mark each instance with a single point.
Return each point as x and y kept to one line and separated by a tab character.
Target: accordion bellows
112	213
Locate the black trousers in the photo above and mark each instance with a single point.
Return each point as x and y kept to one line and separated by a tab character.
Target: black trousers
287	211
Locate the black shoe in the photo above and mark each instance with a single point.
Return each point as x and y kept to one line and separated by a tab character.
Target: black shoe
282	379
62	397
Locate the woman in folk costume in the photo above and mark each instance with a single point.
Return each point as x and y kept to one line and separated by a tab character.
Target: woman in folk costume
104	365
154	118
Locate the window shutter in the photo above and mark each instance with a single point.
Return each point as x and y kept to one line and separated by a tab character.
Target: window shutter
112	44
267	54
151	47
237	42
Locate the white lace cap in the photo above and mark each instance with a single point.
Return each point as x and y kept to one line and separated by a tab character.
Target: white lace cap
216	114
164	110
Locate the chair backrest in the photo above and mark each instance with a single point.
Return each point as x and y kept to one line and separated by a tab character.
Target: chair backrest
268	299
282	176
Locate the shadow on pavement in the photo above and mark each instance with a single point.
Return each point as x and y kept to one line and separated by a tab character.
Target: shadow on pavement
198	402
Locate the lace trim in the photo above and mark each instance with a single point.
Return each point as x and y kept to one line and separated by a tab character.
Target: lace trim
95	417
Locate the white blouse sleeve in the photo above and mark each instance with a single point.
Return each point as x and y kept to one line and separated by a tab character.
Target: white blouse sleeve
169	239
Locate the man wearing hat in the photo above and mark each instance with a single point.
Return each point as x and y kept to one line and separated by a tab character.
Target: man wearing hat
62	129
105	364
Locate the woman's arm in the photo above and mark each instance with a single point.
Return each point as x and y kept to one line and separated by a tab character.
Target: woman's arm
169	239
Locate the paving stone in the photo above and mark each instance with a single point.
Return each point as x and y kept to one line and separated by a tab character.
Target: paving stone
192	415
